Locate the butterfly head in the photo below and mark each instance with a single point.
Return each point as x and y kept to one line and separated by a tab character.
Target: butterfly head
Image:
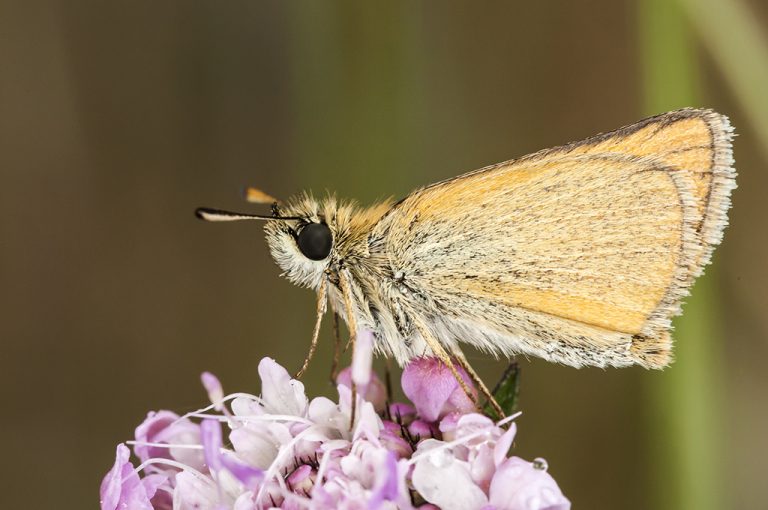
304	246
301	236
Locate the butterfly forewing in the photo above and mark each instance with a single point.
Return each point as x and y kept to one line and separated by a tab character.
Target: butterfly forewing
579	254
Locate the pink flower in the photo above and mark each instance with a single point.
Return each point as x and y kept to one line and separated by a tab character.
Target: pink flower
294	453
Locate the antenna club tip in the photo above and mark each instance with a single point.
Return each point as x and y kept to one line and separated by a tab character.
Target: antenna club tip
200	213
256	196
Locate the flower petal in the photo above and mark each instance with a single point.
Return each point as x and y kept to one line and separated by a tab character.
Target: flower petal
374	392
211	443
482	467
422	429
257	445
158	490
213	387
392	440
122	488
362	358
368	423
433	389
216	460
387	483
517	485
402	413
193	492
112	482
280	393
165	427
445	482
504	444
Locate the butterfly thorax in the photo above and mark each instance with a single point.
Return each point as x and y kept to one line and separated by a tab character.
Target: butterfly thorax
372	281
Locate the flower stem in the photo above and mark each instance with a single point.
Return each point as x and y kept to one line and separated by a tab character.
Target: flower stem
686	399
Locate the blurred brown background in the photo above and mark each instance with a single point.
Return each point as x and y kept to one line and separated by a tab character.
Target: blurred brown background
118	118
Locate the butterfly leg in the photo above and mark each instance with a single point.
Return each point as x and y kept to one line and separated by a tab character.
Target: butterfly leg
346	291
459	355
321	305
336	348
388	379
439	351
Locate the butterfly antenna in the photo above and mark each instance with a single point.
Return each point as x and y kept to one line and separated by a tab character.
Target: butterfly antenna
208	214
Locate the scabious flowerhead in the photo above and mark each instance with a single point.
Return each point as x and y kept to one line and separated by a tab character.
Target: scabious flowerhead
282	450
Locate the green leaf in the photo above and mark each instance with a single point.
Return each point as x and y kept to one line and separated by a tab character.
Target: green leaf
506	391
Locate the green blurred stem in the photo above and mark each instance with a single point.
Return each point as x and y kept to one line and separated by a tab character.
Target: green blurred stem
686	402
734	39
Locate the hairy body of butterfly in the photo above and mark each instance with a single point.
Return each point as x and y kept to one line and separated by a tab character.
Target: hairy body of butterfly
579	254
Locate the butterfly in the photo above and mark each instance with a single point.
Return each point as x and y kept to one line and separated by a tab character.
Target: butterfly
579	254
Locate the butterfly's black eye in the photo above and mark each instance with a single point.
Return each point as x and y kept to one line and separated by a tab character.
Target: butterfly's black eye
315	241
